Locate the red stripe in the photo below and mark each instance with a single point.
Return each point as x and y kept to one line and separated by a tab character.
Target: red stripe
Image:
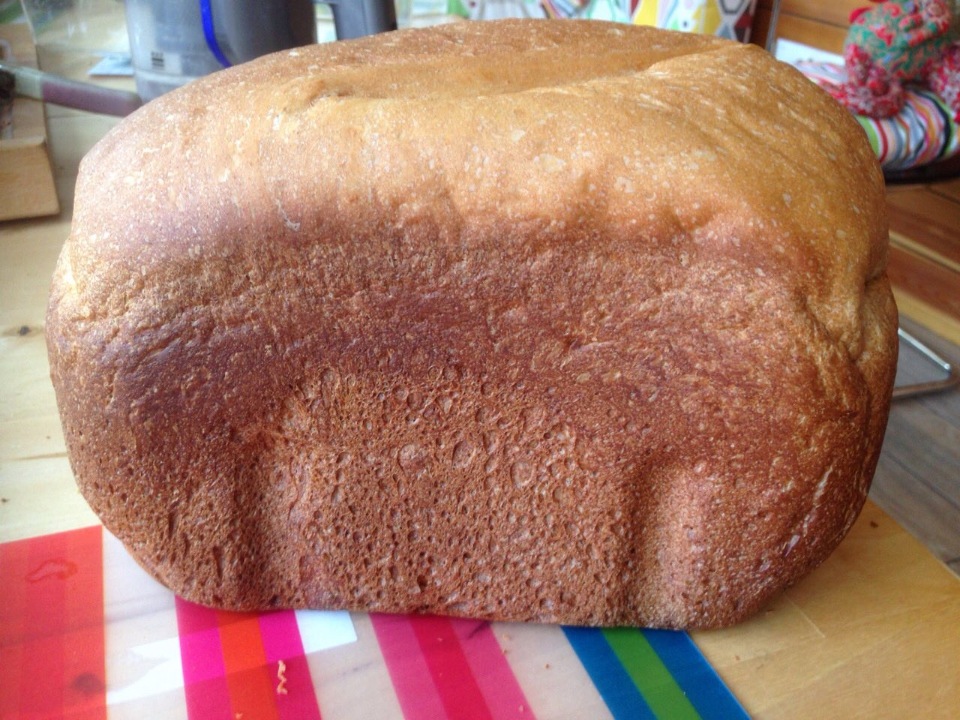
52	626
493	673
13	567
85	659
42	679
415	689
447	664
884	143
253	687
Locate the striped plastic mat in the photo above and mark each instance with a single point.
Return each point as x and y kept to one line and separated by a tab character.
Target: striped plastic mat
85	633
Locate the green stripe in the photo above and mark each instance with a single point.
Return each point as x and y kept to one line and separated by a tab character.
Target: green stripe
653	680
871	131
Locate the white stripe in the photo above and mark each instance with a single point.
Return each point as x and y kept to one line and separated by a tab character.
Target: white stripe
324	629
144	672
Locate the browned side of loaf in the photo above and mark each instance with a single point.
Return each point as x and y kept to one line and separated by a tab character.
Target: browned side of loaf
557	321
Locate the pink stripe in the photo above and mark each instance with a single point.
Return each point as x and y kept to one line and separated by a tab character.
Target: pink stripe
408	669
193	618
491	670
451	673
281	636
204	674
281	641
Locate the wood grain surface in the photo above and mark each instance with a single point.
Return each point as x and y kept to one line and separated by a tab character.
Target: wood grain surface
820	23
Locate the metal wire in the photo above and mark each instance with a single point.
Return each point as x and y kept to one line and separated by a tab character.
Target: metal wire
951	370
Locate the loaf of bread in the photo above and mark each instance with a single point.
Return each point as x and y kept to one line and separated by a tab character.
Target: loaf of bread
558	321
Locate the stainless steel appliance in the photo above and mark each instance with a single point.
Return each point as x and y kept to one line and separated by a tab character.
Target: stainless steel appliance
175	41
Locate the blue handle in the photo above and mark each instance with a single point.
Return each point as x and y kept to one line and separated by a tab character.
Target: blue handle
206	17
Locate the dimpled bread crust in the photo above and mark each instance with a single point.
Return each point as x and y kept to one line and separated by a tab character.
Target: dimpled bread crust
559	321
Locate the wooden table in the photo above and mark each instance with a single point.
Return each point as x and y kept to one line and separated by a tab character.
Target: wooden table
874	632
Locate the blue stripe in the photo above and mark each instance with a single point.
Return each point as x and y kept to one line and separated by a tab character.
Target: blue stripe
612	682
703	687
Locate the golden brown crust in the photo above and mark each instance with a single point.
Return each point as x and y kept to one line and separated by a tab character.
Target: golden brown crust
559	321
